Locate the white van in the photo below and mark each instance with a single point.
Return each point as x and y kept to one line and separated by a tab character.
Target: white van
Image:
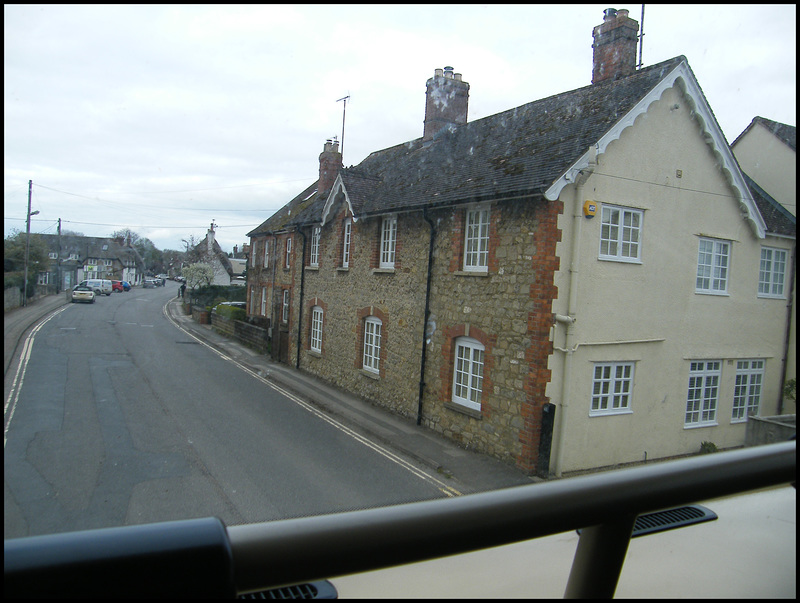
100	286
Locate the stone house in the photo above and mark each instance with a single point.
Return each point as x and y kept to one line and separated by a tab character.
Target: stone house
569	284
74	258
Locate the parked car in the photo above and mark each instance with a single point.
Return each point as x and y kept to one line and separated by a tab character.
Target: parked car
117	286
149	283
83	293
126	285
235	304
100	286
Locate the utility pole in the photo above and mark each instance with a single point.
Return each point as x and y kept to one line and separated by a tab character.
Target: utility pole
27	243
58	260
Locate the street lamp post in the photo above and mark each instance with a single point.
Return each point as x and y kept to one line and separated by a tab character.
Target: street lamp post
27	244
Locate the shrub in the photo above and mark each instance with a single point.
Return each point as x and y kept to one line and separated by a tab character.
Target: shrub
231	312
707	447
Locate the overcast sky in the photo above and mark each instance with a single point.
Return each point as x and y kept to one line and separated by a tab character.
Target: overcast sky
163	118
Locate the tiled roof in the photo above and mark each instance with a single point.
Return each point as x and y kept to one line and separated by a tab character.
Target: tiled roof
778	220
784	133
517	152
279	220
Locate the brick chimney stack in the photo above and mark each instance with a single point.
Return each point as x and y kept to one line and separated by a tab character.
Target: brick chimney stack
614	46
446	100
330	162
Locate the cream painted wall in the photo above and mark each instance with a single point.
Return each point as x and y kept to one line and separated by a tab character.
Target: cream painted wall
656	299
771	163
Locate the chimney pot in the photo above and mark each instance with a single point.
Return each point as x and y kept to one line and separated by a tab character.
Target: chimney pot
330	162
446	102
614	46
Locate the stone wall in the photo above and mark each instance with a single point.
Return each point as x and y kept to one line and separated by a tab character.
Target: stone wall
770	430
507	308
252	336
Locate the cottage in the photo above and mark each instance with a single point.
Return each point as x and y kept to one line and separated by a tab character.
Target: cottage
570	284
74	258
210	252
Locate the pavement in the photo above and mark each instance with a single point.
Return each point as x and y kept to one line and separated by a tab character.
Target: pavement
464	471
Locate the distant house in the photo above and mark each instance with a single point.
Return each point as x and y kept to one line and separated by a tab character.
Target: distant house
211	253
574	283
767	153
74	258
239	266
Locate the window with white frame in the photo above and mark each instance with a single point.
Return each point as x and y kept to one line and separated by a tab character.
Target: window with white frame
713	260
266	253
388	241
620	233
612	388
263	301
43	278
476	242
285	313
253	254
314	259
316	329
747	393
701	400
372	344
348	226
772	272
468	372
52	255
288	251
253	300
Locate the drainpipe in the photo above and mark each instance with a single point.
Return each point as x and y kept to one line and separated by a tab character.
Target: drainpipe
302	286
572	309
788	337
427	316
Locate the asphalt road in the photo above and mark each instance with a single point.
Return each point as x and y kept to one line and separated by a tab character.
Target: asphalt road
118	418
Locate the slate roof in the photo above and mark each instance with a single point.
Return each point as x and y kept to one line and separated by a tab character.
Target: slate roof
90	247
777	218
281	218
521	151
784	133
202	247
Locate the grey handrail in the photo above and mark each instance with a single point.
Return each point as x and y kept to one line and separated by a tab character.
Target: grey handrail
160	558
292	551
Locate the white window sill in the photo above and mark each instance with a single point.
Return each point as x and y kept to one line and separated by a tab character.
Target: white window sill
609	258
467	410
314	268
383	271
717	293
367	373
610	413
471	273
697	425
